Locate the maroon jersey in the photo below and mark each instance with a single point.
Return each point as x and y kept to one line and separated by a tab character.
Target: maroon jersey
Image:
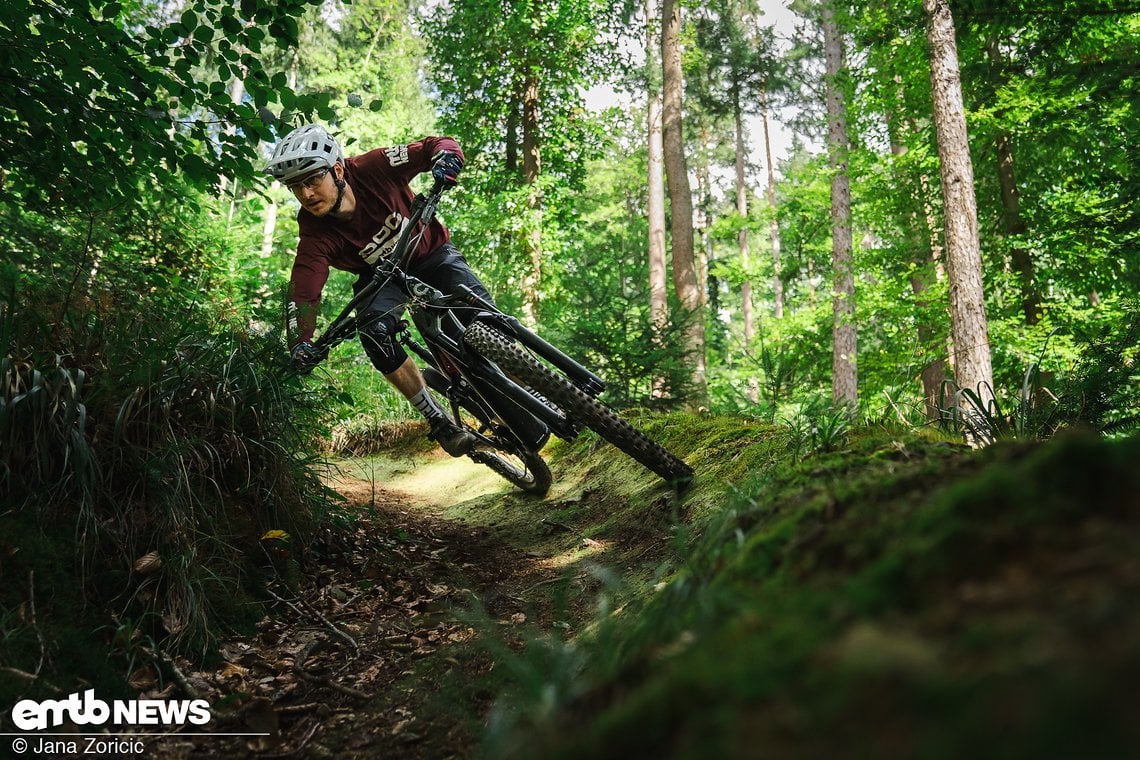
379	180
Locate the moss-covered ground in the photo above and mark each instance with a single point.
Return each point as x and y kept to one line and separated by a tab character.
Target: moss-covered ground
900	596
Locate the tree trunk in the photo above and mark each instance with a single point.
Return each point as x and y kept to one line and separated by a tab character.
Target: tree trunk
681	202
1014	226
968	325
704	221
511	138
742	245
773	222
532	230
268	230
658	287
844	377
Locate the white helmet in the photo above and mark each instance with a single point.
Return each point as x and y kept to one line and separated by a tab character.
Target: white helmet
302	151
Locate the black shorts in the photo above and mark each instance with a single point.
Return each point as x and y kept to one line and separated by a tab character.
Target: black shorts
444	268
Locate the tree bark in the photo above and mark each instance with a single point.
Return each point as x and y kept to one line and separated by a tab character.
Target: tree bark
704	251
743	246
681	202
968	326
844	376
268	230
918	240
532	231
773	222
658	285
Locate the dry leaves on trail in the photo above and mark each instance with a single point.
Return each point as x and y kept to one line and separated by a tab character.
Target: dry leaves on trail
332	649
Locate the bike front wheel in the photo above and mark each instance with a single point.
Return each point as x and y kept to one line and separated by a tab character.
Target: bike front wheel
521	364
524	469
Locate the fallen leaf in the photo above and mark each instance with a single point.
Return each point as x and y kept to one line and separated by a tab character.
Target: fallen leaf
171	623
143	678
230	669
148	563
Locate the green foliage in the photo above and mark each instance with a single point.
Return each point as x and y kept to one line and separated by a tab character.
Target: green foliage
108	99
602	283
138	415
482	53
1104	389
1099	391
818	427
525	163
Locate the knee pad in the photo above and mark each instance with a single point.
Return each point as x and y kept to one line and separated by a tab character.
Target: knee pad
383	351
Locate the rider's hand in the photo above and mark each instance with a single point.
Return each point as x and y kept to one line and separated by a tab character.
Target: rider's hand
304	357
446	167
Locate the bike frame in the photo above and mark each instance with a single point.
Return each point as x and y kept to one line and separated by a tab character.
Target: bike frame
471	377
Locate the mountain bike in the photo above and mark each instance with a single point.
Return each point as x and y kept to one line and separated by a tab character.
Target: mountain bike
503	382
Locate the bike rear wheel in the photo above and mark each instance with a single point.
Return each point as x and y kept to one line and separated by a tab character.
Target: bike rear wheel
521	364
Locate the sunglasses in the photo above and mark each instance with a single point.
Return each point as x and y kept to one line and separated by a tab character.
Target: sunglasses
310	182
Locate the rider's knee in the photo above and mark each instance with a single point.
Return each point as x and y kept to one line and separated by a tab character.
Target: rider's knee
381	347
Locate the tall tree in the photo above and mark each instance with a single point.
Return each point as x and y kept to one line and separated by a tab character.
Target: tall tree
736	51
773	220
532	164
504	68
968	325
893	90
1013	224
844	376
680	199
655	206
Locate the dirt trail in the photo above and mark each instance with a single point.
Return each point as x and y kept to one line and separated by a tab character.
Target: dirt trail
360	649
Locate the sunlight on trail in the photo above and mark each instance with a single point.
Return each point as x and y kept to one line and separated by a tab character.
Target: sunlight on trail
427	481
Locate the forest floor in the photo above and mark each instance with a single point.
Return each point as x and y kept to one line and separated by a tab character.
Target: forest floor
375	652
896	596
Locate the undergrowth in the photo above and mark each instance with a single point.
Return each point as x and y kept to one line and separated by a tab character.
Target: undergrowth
143	453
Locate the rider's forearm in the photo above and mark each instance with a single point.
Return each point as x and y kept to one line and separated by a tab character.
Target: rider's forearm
300	319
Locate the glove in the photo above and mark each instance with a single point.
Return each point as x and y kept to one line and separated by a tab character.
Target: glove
446	167
304	357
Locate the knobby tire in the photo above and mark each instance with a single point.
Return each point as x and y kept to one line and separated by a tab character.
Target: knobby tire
533	477
516	361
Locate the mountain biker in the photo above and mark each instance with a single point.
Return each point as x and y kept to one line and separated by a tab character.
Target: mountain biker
352	212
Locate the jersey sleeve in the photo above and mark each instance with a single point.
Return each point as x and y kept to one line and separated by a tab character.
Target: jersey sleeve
407	161
306	282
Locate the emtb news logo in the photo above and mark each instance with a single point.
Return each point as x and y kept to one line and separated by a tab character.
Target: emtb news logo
29	715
